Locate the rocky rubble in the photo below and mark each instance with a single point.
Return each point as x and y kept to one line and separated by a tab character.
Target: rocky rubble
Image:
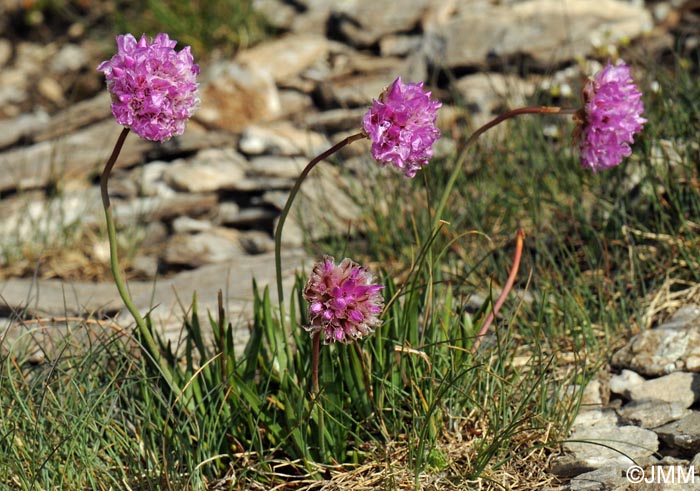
644	414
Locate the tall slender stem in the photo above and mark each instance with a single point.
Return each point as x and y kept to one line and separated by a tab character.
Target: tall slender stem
151	345
504	293
480	131
315	354
290	200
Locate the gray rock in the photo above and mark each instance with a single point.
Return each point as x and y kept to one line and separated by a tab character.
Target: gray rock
211	246
281	139
285	57
210	170
257	242
247	216
364	22
234	97
69	58
163	298
603	479
679	387
599	446
624	381
652	413
683	434
274	166
672	346
545	30
23	126
187	225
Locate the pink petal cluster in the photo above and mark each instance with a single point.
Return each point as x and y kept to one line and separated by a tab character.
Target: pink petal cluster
343	303
609	119
401	125
154	88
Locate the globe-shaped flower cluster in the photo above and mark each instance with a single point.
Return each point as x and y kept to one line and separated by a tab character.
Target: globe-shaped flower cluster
154	88
344	304
401	125
611	116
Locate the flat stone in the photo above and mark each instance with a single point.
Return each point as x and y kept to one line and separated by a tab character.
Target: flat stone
364	22
600	446
78	155
621	383
652	413
24	126
285	57
214	245
274	166
683	434
679	387
283	139
672	346
549	32
603	479
163	298
210	170
234	96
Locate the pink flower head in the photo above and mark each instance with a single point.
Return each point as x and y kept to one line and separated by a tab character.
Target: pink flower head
343	303
153	87
609	119
401	125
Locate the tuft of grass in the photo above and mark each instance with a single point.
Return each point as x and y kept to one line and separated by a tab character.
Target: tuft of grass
209	26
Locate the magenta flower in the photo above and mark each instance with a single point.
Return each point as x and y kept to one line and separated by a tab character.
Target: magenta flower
343	303
609	119
153	87
401	125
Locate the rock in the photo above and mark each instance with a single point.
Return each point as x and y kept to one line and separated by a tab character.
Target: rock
365	22
336	120
679	387
400	45
69	58
22	127
603	479
651	413
211	246
77	116
545	30
321	208
210	170
624	381
79	155
285	57
234	97
247	217
281	139
187	225
594	447
278	14
672	346
166	208
485	94
257	242
353	91
273	166
683	434
162	298
5	51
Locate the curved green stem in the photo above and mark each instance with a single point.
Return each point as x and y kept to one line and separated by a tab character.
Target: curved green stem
475	136
145	333
315	352
290	200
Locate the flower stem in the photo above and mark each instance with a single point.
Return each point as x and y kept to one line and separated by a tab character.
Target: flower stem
480	131
504	293
290	200
151	345
315	352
